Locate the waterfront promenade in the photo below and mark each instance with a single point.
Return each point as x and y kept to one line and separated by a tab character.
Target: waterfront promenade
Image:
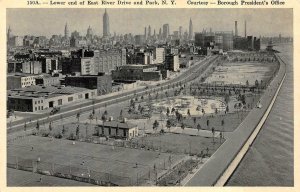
213	170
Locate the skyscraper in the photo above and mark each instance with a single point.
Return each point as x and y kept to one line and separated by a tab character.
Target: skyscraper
89	32
149	31
66	31
8	33
159	34
236	29
191	30
245	28
180	32
106	32
166	31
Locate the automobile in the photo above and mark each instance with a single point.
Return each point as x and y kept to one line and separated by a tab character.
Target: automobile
9	113
54	110
258	105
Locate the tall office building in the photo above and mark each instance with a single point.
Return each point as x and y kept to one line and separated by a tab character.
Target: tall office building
245	28
106	32
159	34
166	31
89	32
236	29
66	31
180	32
149	31
191	30
8	35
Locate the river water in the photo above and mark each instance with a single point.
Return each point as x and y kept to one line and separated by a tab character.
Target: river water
270	160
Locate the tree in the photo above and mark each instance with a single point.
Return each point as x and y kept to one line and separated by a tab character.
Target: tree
221	135
168	111
198	128
256	83
77	131
169	124
132	103
173	110
155	125
189	113
213	133
222	124
227	109
121	115
78	116
195	120
103	118
50	126
37	126
63	131
105	113
207	150
91	117
182	127
247	83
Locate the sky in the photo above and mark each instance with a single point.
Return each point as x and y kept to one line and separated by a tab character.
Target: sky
46	22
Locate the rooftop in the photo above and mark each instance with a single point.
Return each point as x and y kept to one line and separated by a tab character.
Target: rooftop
121	125
37	91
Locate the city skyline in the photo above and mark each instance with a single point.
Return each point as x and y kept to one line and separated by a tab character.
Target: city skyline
81	19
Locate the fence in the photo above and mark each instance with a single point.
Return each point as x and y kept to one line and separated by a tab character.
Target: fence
149	175
74	172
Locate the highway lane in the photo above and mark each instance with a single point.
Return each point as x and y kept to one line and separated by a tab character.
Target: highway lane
196	71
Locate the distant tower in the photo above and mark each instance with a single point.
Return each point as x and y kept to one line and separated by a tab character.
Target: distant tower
8	34
106	25
89	32
180	32
154	32
280	38
145	33
245	28
159	33
191	30
236	29
66	31
166	31
149	31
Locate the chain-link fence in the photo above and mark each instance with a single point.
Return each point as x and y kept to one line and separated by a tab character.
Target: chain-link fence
79	173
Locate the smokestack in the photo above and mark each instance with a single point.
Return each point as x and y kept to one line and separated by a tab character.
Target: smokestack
236	29
245	28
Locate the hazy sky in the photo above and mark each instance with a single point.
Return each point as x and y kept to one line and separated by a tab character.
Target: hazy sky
265	22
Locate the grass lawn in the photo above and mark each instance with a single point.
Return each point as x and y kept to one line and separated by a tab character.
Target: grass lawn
181	143
120	163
